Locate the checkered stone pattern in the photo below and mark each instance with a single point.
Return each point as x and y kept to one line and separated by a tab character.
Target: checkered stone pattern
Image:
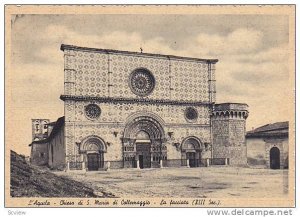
107	75
119	112
122	66
189	80
91	74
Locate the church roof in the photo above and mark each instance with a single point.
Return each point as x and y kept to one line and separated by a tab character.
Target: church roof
278	129
73	47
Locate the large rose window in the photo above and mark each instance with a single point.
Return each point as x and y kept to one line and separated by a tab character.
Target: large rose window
141	82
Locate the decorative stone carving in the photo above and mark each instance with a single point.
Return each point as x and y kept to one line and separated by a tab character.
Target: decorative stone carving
93	143
142	82
191	143
191	114
92	111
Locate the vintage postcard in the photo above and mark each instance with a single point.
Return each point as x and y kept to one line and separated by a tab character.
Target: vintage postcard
150	106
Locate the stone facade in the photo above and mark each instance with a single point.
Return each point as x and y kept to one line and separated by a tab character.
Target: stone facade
105	78
127	109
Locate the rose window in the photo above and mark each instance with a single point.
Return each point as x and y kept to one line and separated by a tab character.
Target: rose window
191	114
92	111
142	82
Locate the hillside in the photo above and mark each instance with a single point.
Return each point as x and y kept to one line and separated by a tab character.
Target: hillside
29	181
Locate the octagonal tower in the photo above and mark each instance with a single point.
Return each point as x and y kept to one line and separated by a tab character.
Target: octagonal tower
228	132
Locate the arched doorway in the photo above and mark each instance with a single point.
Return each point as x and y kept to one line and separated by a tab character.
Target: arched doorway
191	149
275	158
143	142
94	148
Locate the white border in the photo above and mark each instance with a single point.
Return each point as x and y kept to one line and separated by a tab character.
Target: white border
145	212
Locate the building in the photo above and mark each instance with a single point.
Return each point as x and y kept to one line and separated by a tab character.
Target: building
38	155
127	109
267	145
48	151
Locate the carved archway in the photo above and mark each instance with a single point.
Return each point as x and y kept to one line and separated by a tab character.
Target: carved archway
93	149
148	122
93	144
191	143
143	141
191	148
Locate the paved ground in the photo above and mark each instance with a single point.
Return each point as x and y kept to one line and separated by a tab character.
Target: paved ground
187	182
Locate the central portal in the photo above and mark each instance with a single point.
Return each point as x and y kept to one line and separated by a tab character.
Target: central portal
143	142
143	151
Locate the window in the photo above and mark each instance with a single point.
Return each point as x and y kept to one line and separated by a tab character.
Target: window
42	154
37	127
141	82
92	111
191	114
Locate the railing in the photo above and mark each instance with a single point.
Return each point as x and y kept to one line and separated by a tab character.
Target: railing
75	165
114	164
203	162
219	161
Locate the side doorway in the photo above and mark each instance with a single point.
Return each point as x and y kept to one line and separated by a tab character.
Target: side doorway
275	158
191	156
95	161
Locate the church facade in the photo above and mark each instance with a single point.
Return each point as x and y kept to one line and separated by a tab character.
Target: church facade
139	110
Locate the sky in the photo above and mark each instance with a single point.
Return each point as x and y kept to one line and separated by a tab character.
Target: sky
252	52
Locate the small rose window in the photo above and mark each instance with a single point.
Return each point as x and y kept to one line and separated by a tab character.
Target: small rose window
92	111
191	114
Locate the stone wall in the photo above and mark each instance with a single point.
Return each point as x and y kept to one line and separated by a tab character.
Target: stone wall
228	132
57	150
39	154
256	152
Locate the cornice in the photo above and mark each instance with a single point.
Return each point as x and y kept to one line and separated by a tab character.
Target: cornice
268	135
131	100
110	51
123	124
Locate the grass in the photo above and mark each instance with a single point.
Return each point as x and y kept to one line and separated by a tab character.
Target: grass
30	181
